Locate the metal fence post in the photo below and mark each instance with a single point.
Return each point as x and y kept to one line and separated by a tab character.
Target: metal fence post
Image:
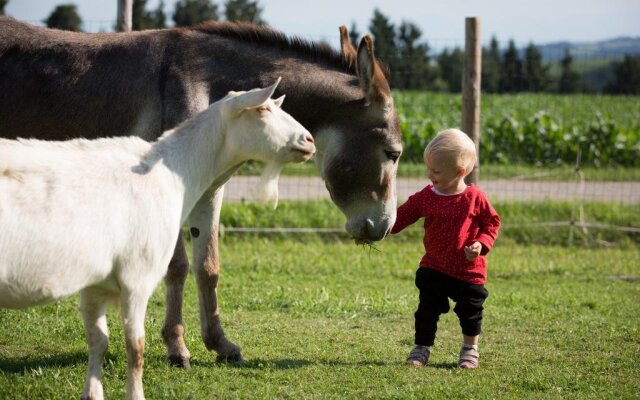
471	75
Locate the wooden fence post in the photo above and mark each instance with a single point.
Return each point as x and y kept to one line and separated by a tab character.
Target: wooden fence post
471	75
125	15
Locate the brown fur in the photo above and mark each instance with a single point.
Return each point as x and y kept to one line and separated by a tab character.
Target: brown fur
347	50
57	85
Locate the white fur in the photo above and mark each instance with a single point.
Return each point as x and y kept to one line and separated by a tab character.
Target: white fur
102	217
268	189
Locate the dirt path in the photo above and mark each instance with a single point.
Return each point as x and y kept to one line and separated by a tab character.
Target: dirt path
305	188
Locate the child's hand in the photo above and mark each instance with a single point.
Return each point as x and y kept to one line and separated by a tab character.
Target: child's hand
472	252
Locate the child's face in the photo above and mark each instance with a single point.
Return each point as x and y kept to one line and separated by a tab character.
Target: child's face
445	175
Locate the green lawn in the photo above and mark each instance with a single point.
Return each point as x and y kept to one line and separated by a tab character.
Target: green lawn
320	318
408	169
562	173
523	222
487	172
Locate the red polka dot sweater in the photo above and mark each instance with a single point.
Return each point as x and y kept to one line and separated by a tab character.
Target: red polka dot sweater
451	223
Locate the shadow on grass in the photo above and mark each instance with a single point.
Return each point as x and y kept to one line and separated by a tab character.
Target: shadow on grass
443	365
25	364
255	363
286	363
20	365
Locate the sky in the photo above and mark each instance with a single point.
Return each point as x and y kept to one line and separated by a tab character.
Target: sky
441	21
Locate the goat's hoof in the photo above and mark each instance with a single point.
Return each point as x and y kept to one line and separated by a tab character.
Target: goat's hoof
179	361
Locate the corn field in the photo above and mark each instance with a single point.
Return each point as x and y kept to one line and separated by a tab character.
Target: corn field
531	129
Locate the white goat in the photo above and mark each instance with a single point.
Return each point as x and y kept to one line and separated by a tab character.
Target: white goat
102	217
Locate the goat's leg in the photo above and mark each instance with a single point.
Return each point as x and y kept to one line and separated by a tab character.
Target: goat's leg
134	306
203	224
173	329
93	307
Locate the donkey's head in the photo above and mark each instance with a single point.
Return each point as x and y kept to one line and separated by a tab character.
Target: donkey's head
258	129
358	151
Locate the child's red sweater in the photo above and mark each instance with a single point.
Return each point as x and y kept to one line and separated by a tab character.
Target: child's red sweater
451	223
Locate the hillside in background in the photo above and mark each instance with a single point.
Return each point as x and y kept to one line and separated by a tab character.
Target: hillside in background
594	61
581	51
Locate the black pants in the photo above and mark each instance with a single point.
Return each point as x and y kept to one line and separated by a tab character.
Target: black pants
435	290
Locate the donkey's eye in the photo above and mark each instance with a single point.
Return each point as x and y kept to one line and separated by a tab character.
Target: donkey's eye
392	155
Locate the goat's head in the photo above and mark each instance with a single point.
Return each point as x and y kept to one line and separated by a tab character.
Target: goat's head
258	129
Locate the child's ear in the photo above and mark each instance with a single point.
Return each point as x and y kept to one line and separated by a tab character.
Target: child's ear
462	172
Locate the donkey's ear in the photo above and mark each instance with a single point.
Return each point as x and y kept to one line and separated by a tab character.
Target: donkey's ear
373	81
253	98
347	50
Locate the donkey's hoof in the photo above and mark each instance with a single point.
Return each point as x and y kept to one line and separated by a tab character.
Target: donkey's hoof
234	356
179	361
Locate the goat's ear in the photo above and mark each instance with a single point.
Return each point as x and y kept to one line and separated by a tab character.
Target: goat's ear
371	75
347	50
278	102
253	98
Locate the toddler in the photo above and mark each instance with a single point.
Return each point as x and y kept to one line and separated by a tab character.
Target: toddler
460	228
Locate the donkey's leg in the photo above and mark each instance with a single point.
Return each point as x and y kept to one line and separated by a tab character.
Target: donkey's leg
134	305
93	307
182	99
203	224
173	329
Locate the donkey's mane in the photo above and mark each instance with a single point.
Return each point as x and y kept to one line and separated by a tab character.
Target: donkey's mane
265	35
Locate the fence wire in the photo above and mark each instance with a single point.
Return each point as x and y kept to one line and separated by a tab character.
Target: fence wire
420	120
562	184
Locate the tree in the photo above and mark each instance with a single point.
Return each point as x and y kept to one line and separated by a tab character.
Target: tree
626	76
386	50
143	19
510	70
193	12
65	17
244	10
158	17
569	81
354	35
536	77
3	3
451	67
413	70
491	67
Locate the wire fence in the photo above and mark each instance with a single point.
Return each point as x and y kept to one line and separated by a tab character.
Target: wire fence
568	208
550	148
559	184
579	145
537	149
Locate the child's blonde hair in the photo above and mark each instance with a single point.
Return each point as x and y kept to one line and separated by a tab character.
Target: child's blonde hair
457	148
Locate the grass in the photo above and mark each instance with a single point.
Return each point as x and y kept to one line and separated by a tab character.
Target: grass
522	220
325	319
407	169
563	173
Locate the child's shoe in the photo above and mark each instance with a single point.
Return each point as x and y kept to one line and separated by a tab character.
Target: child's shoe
469	357
419	356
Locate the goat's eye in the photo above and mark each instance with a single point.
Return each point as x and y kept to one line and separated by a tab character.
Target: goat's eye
392	155
263	109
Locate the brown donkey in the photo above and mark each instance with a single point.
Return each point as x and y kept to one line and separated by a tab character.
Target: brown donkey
57	85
